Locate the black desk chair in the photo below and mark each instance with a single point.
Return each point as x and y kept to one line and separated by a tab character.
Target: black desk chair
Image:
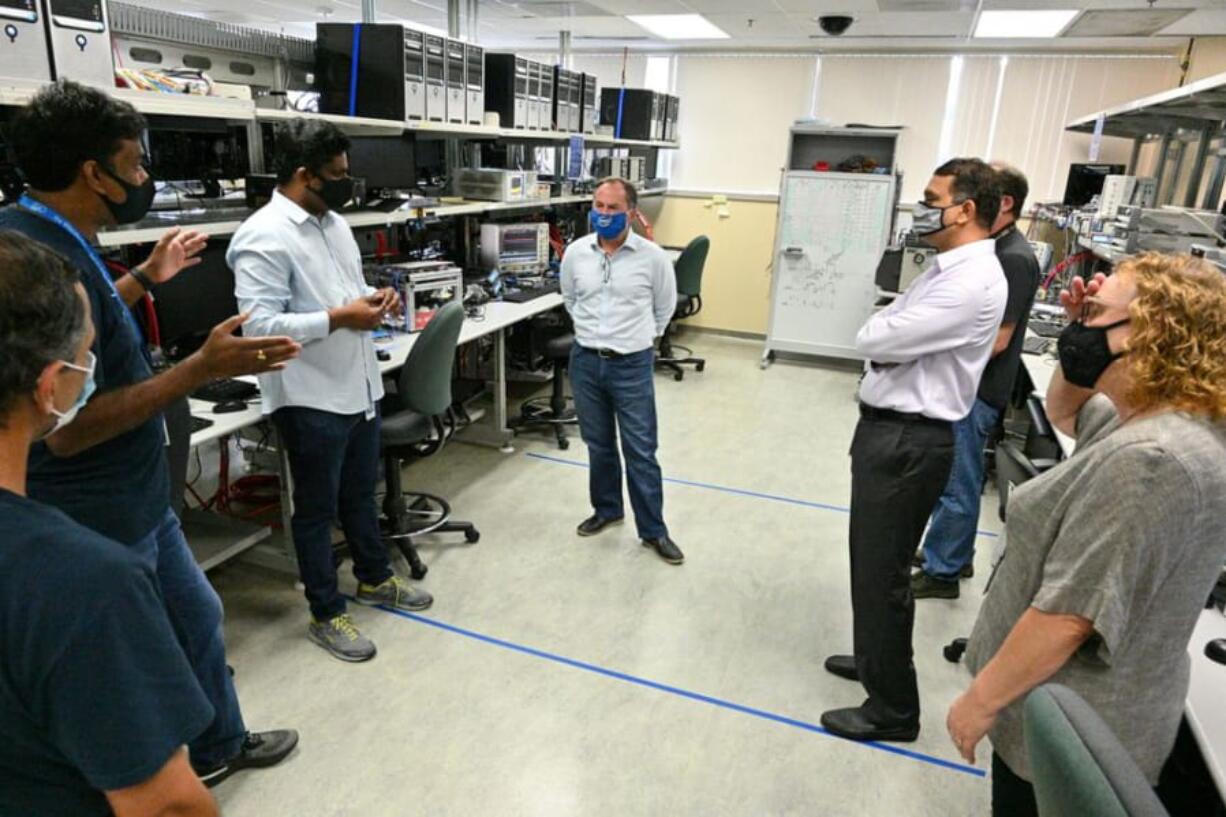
556	411
417	421
688	269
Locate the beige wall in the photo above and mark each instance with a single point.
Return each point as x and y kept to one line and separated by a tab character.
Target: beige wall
1208	58
735	281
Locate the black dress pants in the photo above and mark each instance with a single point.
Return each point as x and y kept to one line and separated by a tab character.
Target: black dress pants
899	467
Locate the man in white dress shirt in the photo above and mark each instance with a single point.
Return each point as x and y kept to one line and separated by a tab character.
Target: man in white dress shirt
620	291
298	271
926	353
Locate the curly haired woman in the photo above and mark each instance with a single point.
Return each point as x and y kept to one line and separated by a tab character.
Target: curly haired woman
1111	554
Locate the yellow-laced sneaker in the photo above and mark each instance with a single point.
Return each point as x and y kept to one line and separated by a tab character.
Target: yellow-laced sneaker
395	592
339	636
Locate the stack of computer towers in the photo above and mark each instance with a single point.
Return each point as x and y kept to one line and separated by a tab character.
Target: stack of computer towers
388	79
506	89
634	113
56	39
589	104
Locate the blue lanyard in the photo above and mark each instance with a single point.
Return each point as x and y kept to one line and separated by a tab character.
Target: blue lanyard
43	211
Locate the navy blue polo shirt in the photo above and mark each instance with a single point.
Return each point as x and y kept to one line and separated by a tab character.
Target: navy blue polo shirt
121	487
95	691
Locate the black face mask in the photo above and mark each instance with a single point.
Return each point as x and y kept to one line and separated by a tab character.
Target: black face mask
139	199
335	193
1085	353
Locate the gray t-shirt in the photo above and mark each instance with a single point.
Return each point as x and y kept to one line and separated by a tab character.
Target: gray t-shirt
1129	533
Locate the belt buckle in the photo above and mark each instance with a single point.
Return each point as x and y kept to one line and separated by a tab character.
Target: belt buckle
606	354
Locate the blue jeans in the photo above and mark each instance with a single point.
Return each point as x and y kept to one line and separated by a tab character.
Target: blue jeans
334	460
950	542
615	395
195	613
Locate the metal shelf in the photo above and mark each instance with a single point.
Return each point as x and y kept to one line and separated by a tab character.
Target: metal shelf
1195	106
365	218
1103	251
352	125
214	538
154	103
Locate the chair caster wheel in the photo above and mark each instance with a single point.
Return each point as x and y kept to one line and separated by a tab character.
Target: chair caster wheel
954	649
472	537
678	377
419	572
700	366
563	444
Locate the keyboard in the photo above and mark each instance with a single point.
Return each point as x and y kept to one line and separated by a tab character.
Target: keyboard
1045	329
219	391
1035	346
199	423
519	296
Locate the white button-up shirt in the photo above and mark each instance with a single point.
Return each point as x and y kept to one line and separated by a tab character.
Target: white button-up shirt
290	268
621	302
938	335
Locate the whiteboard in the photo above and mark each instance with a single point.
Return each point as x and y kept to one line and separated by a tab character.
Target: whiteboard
831	231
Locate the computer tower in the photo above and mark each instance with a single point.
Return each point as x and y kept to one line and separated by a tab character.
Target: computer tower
23	49
547	96
560	115
387	81
534	95
79	38
457	87
414	75
576	102
474	83
436	78
659	116
506	89
634	113
589	104
673	105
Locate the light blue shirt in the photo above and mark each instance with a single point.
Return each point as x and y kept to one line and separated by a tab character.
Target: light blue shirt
290	268
621	302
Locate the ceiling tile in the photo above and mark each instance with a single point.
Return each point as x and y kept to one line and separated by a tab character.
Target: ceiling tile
1203	23
1123	22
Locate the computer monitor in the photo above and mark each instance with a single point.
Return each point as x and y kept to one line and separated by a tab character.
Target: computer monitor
189	305
387	163
1085	181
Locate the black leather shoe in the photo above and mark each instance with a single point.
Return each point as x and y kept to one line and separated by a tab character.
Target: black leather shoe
852	723
594	525
843	666
667	549
924	586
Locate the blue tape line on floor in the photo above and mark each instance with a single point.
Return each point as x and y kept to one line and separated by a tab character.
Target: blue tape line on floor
739	491
683	693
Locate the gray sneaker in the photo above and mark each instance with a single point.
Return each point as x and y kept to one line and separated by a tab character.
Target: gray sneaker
395	592
340	637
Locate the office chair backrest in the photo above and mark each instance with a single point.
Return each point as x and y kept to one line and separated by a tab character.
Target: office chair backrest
425	379
1078	764
689	266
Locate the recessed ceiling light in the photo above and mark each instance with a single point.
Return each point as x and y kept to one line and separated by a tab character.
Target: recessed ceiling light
678	26
1046	23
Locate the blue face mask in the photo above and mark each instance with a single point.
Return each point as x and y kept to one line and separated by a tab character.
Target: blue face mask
63	418
608	225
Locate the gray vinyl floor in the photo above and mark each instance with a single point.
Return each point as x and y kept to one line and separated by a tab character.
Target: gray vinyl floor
565	676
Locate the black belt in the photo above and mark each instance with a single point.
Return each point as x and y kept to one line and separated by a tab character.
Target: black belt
873	413
607	354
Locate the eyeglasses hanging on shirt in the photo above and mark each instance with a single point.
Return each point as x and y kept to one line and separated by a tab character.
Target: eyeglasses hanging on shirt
606	266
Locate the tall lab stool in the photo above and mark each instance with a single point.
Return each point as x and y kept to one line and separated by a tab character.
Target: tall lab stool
556	411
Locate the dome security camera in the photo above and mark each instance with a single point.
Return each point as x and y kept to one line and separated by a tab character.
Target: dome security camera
835	24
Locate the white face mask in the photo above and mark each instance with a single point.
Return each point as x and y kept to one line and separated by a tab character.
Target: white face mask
63	418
